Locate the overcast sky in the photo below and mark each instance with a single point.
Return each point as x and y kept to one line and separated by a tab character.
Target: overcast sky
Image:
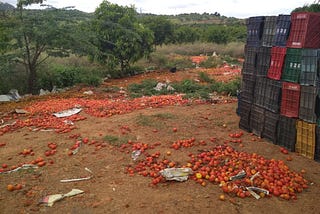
230	8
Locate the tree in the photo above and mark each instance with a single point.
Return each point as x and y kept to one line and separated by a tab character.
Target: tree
186	34
309	8
217	34
162	28
33	36
120	38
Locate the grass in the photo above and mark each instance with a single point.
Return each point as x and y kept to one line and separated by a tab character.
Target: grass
118	141
155	120
190	88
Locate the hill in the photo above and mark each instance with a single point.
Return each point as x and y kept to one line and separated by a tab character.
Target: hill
6	6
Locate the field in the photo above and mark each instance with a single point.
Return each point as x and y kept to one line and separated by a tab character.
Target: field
169	131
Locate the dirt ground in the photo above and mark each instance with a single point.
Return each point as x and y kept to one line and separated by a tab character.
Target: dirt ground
153	126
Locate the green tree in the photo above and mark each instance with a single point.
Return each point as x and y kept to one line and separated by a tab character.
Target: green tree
120	38
186	34
35	35
162	28
217	34
309	8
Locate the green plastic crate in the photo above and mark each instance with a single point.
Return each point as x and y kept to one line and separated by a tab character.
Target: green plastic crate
292	67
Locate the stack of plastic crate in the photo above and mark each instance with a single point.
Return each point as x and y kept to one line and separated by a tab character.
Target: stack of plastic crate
280	93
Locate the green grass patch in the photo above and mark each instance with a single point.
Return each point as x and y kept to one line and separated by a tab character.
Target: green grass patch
118	141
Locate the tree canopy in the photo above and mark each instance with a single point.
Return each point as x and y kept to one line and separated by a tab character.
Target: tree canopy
120	38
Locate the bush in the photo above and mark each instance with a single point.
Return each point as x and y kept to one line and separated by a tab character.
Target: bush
66	76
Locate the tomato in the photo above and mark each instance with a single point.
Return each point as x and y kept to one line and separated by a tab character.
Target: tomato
10	187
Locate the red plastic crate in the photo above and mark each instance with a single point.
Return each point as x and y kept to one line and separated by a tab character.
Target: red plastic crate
305	30
277	62
290	100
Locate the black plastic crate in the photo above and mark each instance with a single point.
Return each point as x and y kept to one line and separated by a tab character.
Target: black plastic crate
250	55
270	126
282	30
255	30
287	133
269	30
263	61
308	104
248	68
309	67
260	91
272	97
247	87
317	147
257	117
244	113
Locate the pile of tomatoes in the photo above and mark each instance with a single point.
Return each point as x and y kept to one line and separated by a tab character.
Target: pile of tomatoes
220	163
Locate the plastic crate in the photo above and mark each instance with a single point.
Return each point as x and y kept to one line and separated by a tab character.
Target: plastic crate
260	91
305	30
272	96
290	99
255	30
317	147
306	139
270	126
263	61
286	133
248	69
269	30
244	113
278	55
310	59
250	55
247	87
292	66
257	116
282	30
308	104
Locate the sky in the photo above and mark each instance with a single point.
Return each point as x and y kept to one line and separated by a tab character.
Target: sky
229	8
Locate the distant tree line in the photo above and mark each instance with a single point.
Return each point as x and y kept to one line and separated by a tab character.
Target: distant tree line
115	36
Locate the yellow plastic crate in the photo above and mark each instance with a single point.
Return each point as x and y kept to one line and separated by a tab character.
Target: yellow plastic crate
306	139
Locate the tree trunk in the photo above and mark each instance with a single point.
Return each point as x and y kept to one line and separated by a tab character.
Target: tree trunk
32	78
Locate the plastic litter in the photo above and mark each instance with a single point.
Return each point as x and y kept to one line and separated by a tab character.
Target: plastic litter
240	175
254	176
253	191
12	96
176	174
24	166
51	199
68	122
68	112
135	154
43	92
88	92
10	124
21	111
78	179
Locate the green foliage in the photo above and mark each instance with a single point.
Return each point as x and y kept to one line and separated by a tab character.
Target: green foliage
308	8
217	34
120	39
118	141
203	76
145	88
190	88
229	88
65	76
161	27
